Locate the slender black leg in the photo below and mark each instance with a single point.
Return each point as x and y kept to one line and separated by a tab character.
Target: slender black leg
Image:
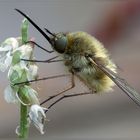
70	87
51	60
39	46
45	78
67	96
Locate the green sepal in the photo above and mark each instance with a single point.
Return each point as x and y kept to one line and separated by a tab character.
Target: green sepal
18	75
24	94
28	95
16	57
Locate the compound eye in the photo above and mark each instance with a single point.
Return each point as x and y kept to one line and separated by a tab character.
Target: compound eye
60	43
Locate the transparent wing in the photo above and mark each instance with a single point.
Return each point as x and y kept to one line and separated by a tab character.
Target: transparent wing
121	83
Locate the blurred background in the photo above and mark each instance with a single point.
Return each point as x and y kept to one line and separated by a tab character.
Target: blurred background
116	24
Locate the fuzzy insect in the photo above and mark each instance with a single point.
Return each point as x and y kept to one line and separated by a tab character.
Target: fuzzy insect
87	58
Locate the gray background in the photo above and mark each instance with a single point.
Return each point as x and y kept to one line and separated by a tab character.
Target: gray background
106	116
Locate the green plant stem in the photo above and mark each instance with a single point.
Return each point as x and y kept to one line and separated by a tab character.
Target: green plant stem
24	126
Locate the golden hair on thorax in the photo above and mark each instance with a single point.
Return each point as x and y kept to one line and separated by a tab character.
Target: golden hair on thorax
82	44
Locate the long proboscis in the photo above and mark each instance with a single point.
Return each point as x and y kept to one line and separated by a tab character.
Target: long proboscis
35	25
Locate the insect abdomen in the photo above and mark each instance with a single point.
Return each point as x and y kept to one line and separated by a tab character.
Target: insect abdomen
80	45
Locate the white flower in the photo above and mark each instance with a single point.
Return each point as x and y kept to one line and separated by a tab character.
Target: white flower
21	71
15	95
25	50
5	62
6	49
37	115
32	72
10	95
17	73
31	95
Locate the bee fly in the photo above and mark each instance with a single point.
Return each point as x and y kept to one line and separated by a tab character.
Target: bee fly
87	59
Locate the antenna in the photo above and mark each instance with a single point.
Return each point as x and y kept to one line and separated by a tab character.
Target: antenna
49	32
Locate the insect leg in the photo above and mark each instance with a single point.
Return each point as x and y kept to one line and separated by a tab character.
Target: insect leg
71	86
41	79
67	96
43	61
39	46
51	60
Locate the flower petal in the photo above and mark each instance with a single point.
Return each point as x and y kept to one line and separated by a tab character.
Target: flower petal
17	74
6	48
13	42
38	117
10	95
6	52
32	72
2	67
5	62
8	59
33	96
18	130
26	51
